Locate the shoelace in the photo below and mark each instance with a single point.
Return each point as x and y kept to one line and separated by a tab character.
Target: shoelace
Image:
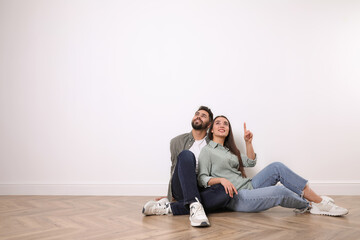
333	205
329	199
159	208
197	209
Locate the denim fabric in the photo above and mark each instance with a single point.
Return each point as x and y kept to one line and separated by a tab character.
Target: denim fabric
184	183
266	195
185	189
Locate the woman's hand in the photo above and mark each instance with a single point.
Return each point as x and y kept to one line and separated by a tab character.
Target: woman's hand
248	136
229	187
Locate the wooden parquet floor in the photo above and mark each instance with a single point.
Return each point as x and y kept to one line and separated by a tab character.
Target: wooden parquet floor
117	217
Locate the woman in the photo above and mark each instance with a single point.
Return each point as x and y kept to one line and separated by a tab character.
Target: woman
221	162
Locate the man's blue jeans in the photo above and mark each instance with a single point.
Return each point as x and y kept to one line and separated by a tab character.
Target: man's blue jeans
266	195
185	188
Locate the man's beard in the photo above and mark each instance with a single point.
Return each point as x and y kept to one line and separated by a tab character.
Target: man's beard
200	126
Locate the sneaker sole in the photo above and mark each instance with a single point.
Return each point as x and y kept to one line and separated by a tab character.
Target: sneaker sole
202	224
329	214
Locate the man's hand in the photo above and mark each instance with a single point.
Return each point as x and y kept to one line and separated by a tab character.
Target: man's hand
159	198
248	136
229	187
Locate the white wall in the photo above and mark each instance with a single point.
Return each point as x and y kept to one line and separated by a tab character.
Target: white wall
91	92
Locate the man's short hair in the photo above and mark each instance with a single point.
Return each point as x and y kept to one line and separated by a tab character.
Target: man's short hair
208	110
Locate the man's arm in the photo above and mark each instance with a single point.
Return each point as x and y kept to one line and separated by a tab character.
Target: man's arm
173	157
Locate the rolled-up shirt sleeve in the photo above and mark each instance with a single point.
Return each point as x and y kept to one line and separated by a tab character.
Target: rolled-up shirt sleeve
248	162
204	168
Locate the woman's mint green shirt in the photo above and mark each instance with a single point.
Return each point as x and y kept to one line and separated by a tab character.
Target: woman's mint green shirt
216	161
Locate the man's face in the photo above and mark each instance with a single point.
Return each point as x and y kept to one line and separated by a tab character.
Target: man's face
200	120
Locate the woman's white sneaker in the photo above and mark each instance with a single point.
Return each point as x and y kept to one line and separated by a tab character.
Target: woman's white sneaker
327	207
328	199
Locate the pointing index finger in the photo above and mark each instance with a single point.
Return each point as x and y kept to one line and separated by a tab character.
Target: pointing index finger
244	126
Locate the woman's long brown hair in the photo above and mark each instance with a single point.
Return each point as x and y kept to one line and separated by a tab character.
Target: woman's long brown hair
230	144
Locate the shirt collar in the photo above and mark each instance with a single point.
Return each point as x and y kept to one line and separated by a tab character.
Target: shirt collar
191	136
192	139
215	145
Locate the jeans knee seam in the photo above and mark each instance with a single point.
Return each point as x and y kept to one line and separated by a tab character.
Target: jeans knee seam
265	180
293	186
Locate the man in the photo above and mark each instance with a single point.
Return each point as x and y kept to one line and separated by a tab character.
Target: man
183	187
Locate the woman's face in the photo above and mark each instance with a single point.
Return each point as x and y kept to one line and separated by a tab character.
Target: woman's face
220	127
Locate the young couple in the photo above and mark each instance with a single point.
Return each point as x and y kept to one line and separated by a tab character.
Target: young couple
207	174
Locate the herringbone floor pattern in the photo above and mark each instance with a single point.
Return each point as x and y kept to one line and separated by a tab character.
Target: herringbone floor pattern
107	218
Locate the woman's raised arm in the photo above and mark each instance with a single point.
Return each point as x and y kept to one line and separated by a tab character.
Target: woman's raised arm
248	137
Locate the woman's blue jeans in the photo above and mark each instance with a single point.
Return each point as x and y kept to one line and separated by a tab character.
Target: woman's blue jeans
185	188
266	195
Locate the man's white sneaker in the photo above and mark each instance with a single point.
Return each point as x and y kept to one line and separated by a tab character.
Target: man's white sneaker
327	207
160	207
197	215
